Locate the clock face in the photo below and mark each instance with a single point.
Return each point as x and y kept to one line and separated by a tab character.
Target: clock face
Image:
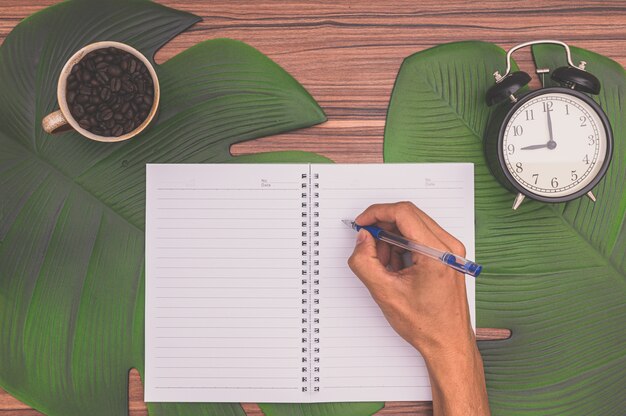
554	144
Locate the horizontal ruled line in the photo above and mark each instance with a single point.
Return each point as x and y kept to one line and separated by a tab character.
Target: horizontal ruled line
228	189
390	188
371	387
227	258
230	347
247	337
224	317
228	278
229	268
242	367
231	209
229	228
226	238
230	388
228	327
237	378
228	307
225	199
224	287
282	357
224	297
373	366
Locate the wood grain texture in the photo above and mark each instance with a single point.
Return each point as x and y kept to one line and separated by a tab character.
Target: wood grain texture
347	54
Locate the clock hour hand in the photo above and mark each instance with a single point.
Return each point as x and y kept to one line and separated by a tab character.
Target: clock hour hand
535	146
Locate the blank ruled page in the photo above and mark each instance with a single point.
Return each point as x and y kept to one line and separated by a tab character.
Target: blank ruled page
223	288
361	358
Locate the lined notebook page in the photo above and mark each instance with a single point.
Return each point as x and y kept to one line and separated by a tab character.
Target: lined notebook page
223	291
361	357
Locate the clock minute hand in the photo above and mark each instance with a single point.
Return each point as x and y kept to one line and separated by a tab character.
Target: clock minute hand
551	142
535	146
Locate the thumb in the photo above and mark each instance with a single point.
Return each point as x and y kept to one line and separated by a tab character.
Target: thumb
364	261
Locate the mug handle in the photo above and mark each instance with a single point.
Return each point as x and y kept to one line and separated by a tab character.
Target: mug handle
53	122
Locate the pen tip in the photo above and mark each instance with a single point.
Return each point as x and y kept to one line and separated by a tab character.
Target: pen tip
348	223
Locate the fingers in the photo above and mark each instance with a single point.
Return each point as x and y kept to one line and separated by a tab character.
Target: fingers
412	223
364	262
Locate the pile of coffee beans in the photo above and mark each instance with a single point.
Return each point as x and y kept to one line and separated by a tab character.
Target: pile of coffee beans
110	92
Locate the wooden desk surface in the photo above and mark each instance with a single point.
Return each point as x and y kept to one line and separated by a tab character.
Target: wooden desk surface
347	53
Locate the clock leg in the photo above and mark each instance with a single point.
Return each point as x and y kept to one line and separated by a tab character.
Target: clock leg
591	196
518	200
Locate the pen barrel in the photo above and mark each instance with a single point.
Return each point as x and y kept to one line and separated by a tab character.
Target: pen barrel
462	264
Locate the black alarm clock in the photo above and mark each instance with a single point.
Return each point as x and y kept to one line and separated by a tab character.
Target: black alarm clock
552	144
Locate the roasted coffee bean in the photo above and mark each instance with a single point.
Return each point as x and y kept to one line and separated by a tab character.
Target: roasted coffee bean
132	66
102	77
143	115
128	86
75	68
78	111
125	107
109	123
91	109
138	99
129	126
90	65
114	70
105	94
71	96
85	90
72	85
129	114
106	114
147	100
116	84
95	99
117	131
118	117
84	123
134	107
97	130
82	99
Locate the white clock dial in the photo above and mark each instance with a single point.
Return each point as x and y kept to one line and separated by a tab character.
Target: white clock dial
554	145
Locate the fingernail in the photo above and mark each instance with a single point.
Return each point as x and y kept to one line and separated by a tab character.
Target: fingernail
360	236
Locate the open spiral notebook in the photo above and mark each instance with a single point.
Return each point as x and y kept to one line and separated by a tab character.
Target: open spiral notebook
248	294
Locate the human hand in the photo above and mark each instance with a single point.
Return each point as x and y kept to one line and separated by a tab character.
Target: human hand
425	303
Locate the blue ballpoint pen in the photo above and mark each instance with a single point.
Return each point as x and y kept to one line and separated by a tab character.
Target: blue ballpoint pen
456	262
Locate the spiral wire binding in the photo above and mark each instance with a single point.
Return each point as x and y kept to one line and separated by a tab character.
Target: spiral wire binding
315	270
306	283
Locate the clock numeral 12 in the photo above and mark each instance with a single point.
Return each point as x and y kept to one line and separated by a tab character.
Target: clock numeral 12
567	109
547	106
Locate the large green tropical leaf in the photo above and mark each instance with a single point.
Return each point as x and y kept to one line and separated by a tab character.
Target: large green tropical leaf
72	210
554	274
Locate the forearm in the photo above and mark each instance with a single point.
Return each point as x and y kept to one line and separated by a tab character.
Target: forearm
458	382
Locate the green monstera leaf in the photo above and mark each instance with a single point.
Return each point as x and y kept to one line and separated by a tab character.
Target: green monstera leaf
72	210
554	274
